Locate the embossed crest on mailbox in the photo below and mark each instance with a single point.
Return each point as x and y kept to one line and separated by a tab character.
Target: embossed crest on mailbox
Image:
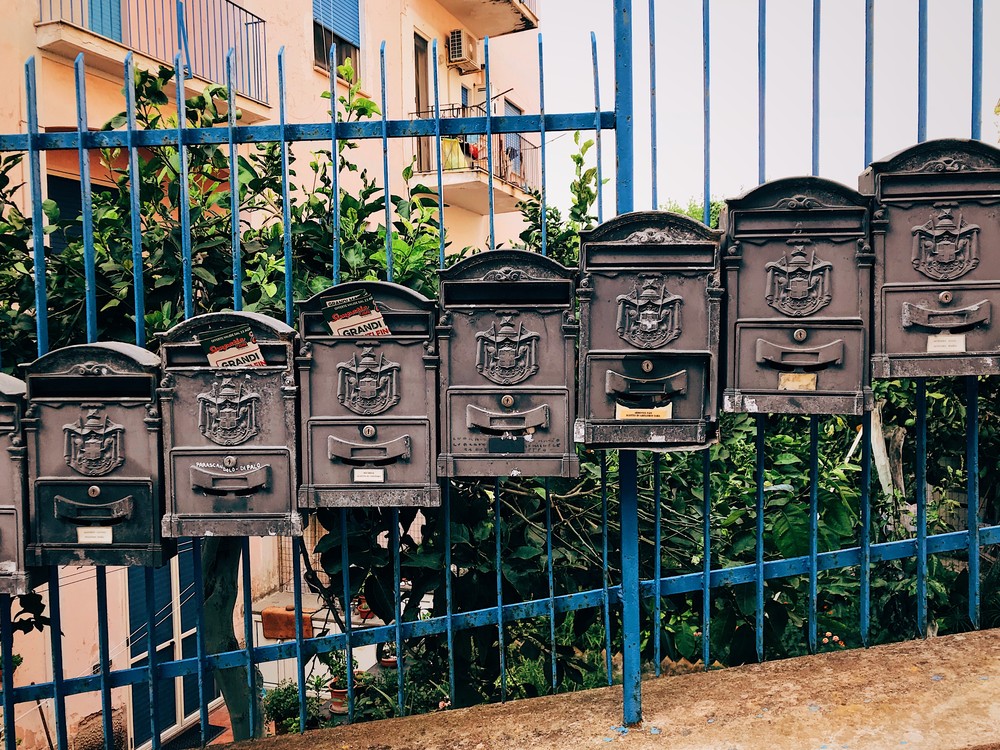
95	457
230	429
507	337
369	404
13	576
649	332
937	277
798	289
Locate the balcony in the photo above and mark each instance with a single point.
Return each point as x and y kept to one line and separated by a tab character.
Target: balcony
494	17
106	30
465	165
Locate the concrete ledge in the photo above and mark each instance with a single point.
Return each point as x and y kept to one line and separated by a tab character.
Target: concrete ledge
939	694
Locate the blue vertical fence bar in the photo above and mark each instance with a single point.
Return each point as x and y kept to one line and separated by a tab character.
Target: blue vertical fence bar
817	14
605	572
86	201
139	287
440	208
286	199
448	584
921	70
248	627
543	206
921	501
654	173
300	662
657	563
335	165
972	491
977	69
759	445
761	90
499	568
597	130
198	585
104	653
706	81
385	168
397	609
869	79
38	239
813	527
552	585
185	199
706	568
234	187
346	580
153	683
628	483
489	143
866	523
7	678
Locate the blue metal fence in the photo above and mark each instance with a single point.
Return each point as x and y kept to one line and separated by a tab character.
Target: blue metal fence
638	588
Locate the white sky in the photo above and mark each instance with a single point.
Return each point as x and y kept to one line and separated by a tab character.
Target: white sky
566	27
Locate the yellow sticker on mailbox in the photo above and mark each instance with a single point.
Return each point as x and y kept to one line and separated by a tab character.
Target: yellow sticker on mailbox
796	381
657	412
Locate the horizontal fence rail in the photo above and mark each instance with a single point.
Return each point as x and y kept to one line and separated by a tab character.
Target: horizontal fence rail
666	557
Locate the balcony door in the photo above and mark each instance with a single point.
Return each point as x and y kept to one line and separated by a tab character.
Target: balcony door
104	17
421	71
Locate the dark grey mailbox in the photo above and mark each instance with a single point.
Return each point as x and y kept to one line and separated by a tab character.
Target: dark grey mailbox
508	351
936	277
13	576
92	429
369	404
230	430
649	332
798	291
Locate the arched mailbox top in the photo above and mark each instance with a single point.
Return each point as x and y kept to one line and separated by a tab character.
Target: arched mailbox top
263	326
11	387
507	277
97	359
942	156
393	296
804	193
651	229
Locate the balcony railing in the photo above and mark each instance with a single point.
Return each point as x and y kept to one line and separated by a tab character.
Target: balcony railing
152	28
515	159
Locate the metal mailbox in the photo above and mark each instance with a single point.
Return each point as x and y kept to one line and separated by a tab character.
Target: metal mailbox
798	290
369	404
507	336
92	428
937	284
230	432
13	576
649	333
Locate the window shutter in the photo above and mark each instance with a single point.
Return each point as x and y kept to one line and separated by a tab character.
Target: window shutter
342	17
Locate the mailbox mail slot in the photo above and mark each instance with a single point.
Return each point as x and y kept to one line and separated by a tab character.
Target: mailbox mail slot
369	404
92	429
937	281
798	279
13	576
507	335
230	430
649	333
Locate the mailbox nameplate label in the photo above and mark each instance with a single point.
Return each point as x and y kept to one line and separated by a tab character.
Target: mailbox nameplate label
946	343
95	535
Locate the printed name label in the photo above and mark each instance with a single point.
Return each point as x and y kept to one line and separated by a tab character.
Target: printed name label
94	535
659	412
945	343
373	476
797	381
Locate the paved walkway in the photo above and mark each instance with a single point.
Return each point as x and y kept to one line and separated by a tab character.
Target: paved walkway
939	694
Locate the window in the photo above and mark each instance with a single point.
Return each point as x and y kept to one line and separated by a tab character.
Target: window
465	98
336	21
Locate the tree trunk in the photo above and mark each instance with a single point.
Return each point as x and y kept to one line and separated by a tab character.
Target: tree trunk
220	563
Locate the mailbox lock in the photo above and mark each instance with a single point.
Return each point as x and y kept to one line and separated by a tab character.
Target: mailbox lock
229	462
647	365
369	431
945	297
800	334
93	490
507	401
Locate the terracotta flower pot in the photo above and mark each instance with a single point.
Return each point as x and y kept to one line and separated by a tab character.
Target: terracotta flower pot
338	700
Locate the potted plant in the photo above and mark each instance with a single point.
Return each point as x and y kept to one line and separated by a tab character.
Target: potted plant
336	663
281	705
364	611
387	656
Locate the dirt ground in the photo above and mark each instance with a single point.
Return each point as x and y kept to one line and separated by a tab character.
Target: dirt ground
939	694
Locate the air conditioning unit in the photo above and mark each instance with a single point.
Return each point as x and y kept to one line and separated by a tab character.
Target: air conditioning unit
463	51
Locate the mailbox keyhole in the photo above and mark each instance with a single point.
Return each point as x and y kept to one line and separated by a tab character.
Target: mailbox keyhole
93	490
229	462
800	334
507	401
945	297
647	365
369	431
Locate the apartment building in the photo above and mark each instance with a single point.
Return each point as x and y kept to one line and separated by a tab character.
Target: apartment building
56	31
